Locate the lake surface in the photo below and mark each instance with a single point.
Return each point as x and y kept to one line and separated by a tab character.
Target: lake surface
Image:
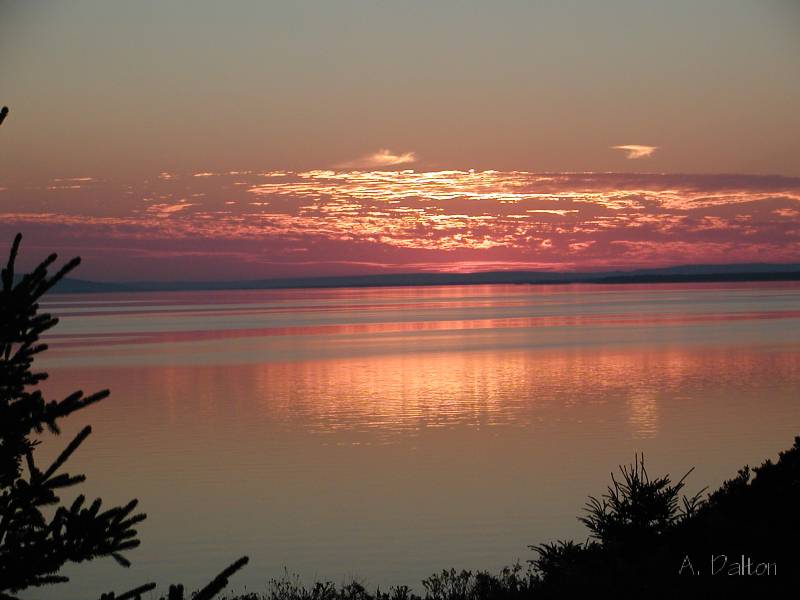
388	433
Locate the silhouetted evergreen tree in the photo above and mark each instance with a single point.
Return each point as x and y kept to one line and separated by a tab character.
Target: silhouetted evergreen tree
38	534
33	546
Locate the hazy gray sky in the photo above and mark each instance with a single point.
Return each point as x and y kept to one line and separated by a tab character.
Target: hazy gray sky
107	88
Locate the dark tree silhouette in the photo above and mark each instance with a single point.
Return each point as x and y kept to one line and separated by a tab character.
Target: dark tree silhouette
39	535
33	547
637	510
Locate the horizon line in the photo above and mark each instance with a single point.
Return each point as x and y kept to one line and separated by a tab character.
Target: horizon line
684	273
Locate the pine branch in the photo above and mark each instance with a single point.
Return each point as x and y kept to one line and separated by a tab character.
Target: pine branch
66	453
220	581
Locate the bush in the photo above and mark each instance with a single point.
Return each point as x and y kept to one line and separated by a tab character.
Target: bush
38	534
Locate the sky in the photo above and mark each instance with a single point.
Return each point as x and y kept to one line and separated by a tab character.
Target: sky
207	140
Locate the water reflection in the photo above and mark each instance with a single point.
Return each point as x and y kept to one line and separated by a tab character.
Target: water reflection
643	413
392	396
458	424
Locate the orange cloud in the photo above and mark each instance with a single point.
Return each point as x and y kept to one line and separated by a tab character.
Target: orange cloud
283	223
165	210
634	151
379	159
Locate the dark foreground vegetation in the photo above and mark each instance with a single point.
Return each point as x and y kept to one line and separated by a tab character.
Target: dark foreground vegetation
39	534
647	539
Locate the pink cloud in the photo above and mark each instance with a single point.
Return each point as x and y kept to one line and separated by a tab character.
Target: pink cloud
381	158
327	222
634	151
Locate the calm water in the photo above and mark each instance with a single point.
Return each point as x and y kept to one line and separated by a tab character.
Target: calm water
389	433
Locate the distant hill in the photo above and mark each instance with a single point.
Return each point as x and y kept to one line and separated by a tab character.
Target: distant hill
80	286
685	273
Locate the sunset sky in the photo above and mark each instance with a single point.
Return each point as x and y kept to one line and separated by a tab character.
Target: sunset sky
208	140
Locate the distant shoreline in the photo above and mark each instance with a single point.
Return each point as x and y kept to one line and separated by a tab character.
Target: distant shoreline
691	274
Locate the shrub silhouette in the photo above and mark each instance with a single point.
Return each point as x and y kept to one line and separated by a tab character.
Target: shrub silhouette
637	510
34	546
648	541
642	532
